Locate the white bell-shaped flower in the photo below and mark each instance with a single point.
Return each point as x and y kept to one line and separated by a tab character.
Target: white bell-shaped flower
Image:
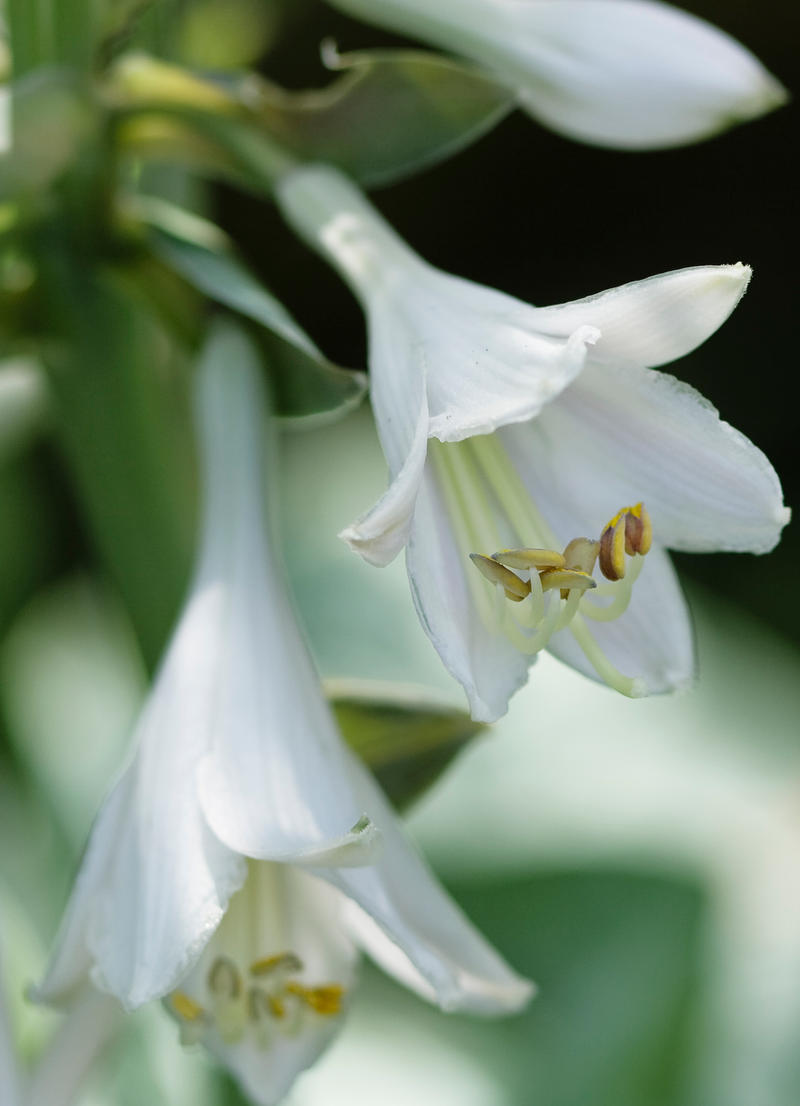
634	74
241	797
471	367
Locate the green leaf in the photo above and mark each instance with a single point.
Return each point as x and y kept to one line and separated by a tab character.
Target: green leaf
306	385
405	734
391	113
51	121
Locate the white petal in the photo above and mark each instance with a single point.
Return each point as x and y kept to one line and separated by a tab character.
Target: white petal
629	73
487	361
401	414
406	922
618	436
652	640
154	882
489	668
652	321
279	910
273	784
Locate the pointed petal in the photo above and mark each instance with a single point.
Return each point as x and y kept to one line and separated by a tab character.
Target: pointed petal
630	73
618	436
155	882
484	662
488	363
280	910
652	640
401	414
653	321
406	922
272	783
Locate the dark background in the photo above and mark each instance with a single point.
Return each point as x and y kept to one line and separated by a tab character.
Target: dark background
549	220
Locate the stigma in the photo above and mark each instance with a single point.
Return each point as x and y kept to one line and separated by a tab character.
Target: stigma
263	1000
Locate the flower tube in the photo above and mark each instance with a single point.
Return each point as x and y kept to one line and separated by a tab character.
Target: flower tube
541	440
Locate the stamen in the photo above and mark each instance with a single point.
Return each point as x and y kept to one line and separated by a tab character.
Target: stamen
496	573
325	1000
530	558
638	530
224	979
612	548
582	553
185	1007
634	688
267	964
566	579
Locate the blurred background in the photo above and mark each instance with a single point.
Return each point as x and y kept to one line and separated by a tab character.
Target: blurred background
638	860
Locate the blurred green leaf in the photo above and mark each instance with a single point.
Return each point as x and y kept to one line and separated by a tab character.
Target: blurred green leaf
404	733
305	383
391	113
51	120
123	422
23	403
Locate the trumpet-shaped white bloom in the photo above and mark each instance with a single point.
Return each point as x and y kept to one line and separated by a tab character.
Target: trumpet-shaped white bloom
627	73
236	756
471	367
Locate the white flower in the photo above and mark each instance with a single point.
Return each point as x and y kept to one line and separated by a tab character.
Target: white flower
454	361
236	756
627	73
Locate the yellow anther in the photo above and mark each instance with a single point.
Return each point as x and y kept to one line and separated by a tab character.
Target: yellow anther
186	1007
529	558
277	1007
224	979
612	548
325	1000
581	553
566	579
499	574
638	530
285	960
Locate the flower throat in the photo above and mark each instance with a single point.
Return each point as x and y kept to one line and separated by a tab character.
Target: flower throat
538	590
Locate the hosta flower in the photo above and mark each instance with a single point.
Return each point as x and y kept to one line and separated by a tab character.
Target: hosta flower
618	459
234	868
628	73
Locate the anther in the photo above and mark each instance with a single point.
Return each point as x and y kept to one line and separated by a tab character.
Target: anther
612	548
325	1000
185	1007
582	553
284	960
638	530
224	980
566	579
529	558
499	574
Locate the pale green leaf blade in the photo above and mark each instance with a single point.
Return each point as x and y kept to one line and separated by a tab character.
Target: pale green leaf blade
306	384
407	735
390	114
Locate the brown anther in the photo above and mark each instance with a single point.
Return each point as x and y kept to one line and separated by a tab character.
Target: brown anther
529	558
612	548
566	579
224	979
638	530
581	553
499	574
285	960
